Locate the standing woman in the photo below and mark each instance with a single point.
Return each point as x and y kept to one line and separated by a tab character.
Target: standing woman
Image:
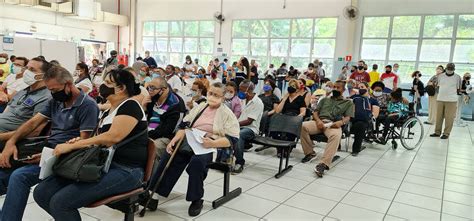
189	67
62	198
242	70
418	90
433	87
83	80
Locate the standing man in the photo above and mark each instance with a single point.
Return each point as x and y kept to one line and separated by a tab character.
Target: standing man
374	74
249	121
112	61
150	61
360	76
389	79
4	67
253	72
449	84
173	80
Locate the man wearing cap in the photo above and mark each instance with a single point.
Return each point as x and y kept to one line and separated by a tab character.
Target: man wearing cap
449	87
112	61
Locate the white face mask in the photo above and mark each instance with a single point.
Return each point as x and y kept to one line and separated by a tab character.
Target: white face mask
3	60
378	93
328	89
17	69
228	96
29	77
77	73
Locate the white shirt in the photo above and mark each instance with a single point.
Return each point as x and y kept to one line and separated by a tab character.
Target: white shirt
176	85
14	84
448	87
253	110
212	81
189	66
85	83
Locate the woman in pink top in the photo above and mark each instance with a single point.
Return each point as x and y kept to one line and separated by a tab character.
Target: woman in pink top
231	100
223	134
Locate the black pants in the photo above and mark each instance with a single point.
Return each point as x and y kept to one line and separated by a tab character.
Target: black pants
386	125
359	129
197	170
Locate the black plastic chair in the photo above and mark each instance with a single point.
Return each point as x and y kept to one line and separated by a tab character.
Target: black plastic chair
227	194
284	125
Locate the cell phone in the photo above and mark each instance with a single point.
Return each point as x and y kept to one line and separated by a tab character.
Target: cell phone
25	158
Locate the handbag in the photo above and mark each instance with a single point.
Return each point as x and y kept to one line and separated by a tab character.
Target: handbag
88	164
430	90
26	148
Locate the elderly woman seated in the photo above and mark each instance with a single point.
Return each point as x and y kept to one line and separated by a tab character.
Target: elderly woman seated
222	131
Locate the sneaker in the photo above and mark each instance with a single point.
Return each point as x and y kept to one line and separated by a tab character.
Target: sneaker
354	154
195	208
238	168
308	157
319	169
434	135
444	137
429	123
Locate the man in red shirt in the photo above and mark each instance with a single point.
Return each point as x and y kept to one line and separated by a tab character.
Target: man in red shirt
390	79
360	75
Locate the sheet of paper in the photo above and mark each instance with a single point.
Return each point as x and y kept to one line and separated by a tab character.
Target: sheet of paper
197	147
199	134
46	163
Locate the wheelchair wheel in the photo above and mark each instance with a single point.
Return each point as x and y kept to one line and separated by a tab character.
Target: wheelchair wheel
411	133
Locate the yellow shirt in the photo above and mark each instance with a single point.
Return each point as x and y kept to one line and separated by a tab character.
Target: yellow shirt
6	71
374	76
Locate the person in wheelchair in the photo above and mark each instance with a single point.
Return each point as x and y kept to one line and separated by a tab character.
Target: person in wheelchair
396	110
331	114
366	108
222	131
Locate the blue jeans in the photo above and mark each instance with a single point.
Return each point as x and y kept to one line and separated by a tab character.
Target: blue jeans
19	183
62	198
246	134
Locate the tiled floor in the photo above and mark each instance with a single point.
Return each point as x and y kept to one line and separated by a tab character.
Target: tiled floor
434	182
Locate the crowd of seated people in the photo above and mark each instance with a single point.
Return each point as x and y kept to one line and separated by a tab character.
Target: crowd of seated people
222	101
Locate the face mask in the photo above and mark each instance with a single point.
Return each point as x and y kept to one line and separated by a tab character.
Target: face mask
362	91
468	78
267	88
155	75
3	60
328	89
349	86
194	93
200	76
228	96
439	71
450	72
16	69
77	72
188	61
105	91
61	96
336	93
387	71
291	90
142	73
29	77
378	93
360	67
242	95
156	96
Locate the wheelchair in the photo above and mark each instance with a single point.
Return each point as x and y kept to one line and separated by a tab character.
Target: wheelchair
408	129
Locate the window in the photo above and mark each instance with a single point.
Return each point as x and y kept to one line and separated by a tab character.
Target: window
419	42
293	41
170	41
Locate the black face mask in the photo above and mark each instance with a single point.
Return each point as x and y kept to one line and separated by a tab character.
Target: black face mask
468	78
360	67
61	96
388	71
156	97
362	91
105	91
291	90
336	93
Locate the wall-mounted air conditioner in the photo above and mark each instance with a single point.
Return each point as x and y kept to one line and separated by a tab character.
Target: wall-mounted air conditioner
22	2
115	19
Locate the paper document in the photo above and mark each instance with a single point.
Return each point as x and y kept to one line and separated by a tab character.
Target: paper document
194	138
46	163
328	125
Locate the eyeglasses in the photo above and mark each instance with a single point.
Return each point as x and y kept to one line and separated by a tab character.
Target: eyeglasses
212	94
153	88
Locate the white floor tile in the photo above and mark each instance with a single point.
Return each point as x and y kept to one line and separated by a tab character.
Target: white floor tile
393	218
337	182
319	190
447	217
421	190
34	213
237	181
377	191
458	210
223	213
179	207
456	197
435	183
381	181
418	200
461	188
412	213
284	212
386	173
288	183
460	179
347	212
367	202
270	192
311	203
251	205
426	173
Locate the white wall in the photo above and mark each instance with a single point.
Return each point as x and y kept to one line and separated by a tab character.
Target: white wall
348	32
